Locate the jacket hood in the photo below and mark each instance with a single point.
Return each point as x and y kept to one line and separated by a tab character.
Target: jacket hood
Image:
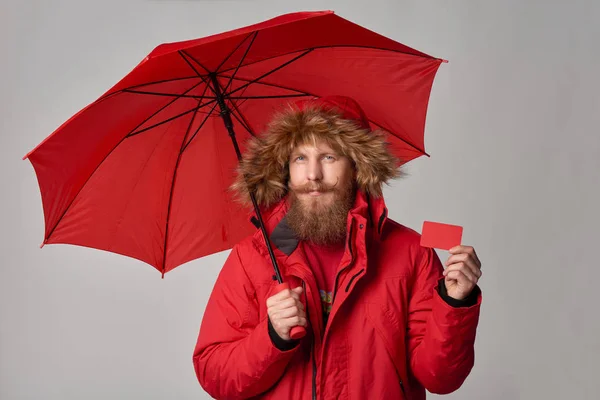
337	120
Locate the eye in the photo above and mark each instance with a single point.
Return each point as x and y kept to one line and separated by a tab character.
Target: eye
299	158
329	157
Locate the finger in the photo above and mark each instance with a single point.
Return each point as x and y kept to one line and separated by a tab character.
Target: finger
457	249
473	269
276	298
474	253
460	256
466	259
292	321
290	312
287	305
284	294
461	268
295	296
287	313
297	290
456	258
466	271
280	327
298	304
460	277
283	326
283	304
466	250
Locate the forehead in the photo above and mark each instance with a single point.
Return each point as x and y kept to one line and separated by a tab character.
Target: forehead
313	146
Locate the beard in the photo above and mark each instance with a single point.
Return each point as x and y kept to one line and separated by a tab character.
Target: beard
313	220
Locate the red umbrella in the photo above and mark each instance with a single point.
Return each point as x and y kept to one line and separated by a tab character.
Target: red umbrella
144	170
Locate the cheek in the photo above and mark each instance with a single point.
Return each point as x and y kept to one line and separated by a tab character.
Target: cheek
296	175
340	173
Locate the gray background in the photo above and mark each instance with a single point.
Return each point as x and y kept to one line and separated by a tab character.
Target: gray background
512	131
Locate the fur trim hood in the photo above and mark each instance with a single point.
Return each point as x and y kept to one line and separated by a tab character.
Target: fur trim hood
340	122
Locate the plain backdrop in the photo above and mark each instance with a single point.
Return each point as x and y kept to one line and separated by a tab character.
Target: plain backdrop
513	133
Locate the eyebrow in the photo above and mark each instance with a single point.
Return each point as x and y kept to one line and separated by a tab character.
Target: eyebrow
303	153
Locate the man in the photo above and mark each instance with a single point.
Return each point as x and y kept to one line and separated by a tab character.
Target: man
384	319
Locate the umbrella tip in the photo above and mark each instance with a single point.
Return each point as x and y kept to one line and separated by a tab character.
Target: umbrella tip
444	61
43	243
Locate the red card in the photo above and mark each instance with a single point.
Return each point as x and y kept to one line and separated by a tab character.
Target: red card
441	236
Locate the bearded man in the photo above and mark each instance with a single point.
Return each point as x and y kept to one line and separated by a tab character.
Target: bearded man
385	319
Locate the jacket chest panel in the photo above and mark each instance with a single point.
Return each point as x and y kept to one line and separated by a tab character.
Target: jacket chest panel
367	339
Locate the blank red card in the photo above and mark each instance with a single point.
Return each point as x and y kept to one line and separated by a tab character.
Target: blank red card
441	236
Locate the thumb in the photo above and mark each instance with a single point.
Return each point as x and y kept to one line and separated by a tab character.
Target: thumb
297	289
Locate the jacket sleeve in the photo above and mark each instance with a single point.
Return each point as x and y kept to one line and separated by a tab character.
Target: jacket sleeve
441	337
234	357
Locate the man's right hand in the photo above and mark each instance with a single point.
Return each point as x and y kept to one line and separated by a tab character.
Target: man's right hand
285	311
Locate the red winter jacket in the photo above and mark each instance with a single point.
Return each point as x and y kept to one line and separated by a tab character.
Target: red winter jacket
389	335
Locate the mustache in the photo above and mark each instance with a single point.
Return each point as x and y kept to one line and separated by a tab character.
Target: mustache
313	187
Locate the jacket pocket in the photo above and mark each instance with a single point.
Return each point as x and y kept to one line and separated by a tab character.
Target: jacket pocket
391	332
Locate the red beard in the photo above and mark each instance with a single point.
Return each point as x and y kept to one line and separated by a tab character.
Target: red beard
316	222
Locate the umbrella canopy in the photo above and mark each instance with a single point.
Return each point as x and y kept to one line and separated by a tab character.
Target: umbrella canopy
144	171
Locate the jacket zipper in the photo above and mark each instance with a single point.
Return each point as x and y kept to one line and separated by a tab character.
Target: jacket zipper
352	279
314	395
381	219
312	348
349	264
314	376
314	362
313	355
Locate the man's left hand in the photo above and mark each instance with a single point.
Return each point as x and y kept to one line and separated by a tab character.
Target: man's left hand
462	273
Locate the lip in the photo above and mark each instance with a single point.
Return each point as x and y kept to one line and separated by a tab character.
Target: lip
314	193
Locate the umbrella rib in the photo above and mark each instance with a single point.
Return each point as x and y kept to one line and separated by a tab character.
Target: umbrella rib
333	47
422	151
200	127
148	84
240	63
282	96
184	55
273	85
234	50
163	107
171	119
269	73
164	260
235	111
107	155
167	94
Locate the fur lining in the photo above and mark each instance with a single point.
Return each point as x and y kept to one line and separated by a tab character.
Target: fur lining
265	162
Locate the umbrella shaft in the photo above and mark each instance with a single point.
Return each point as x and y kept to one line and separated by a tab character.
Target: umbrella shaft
226	115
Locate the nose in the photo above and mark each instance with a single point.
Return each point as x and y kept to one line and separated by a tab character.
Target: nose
314	172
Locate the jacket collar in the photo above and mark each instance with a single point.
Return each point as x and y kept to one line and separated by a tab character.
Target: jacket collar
367	209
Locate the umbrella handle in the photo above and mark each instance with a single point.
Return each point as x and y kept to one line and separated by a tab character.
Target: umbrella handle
297	332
